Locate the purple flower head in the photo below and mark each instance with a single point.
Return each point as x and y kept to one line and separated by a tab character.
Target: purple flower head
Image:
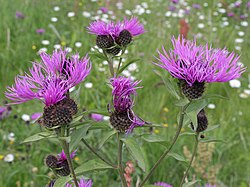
104	9
35	116
133	26
4	112
171	8
196	6
19	15
40	31
113	29
248	4
62	156
243	16
81	183
192	63
237	4
49	80
162	184
124	91
230	14
175	1
97	117
209	185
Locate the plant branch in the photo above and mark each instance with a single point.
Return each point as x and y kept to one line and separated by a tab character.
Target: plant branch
192	158
169	149
119	158
97	154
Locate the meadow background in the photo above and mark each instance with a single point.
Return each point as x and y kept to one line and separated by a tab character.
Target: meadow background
226	162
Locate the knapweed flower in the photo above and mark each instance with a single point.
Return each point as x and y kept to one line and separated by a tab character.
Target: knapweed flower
19	15
202	122
97	117
248	4
196	6
196	65
5	111
81	183
59	163
162	184
49	81
113	36
40	31
123	118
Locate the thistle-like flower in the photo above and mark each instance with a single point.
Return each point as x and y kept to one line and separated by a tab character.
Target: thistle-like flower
81	183
49	81
112	36
196	65
59	163
123	118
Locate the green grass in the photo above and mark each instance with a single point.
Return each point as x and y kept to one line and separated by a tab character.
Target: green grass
16	53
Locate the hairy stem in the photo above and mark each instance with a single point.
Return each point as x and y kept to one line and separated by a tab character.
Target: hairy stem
111	64
65	147
97	154
119	158
169	149
192	158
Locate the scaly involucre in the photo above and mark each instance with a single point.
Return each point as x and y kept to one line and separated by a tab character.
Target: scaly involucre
49	80
192	63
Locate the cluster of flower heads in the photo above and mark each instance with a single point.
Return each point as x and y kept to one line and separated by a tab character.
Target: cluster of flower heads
112	36
123	118
51	79
195	65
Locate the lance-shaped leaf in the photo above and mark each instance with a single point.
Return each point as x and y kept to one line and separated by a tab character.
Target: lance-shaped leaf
61	181
77	135
39	136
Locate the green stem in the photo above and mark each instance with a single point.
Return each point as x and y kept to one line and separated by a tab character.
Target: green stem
110	62
98	155
119	65
169	149
192	158
119	158
65	147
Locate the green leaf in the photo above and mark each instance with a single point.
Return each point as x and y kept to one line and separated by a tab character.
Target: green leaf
214	96
210	128
170	87
39	136
197	105
77	135
182	102
76	119
152	138
193	118
135	151
61	181
98	55
125	66
211	140
99	125
190	183
188	133
92	165
177	157
105	138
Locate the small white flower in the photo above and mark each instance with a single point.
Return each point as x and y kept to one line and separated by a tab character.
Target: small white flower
235	83
214	29
11	136
247	91
106	118
168	14
68	49
144	4
57	46
71	14
224	19
174	15
148	11
201	17
54	19
238	48
101	69
240	113
244	23
45	42
56	8
105	16
222	10
211	106
44	49
99	12
239	40
105	62
78	44
126	73
72	89
215	13
9	158
241	33
225	23
88	85
86	14
219	4
205	4
201	25
128	12
25	117
132	67
243	96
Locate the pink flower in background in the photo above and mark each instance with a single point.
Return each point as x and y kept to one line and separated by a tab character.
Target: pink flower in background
97	117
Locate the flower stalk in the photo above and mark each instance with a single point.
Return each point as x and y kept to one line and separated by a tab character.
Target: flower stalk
97	154
192	158
119	160
170	148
